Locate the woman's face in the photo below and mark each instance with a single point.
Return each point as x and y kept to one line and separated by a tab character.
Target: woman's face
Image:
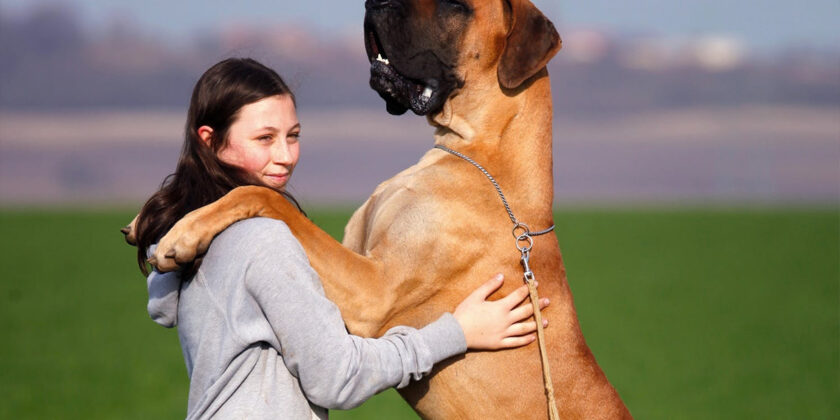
264	140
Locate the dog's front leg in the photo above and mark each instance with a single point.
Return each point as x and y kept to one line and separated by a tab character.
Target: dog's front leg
355	282
191	236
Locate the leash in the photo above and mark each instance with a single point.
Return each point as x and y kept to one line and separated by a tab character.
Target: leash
524	243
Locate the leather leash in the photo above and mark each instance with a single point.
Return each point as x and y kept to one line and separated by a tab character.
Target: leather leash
524	243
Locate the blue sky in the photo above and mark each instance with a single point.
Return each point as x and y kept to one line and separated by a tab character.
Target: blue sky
762	24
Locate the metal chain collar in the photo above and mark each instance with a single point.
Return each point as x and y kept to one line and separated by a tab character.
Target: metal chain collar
521	231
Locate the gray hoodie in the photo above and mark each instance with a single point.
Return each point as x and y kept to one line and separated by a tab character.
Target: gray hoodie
261	341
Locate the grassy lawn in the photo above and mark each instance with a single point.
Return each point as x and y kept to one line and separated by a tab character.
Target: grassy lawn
692	315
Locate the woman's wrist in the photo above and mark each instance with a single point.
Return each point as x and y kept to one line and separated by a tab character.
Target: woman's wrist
445	337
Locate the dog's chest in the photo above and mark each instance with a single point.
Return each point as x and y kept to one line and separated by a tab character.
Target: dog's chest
401	204
418	208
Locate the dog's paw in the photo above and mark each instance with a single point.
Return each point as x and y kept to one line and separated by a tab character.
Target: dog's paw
181	245
130	232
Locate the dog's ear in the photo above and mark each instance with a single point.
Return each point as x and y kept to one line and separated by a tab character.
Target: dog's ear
531	42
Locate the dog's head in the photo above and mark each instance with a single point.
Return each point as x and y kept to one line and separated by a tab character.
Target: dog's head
423	51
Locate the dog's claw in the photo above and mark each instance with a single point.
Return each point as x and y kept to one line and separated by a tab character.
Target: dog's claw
129	238
129	233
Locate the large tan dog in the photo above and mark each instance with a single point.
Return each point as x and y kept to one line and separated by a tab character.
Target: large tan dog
434	232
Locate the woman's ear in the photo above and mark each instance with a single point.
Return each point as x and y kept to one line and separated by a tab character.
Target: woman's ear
205	133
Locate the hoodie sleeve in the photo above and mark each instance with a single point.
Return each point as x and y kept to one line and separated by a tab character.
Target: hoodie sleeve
164	293
335	369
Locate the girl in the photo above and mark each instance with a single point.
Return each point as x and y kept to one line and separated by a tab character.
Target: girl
259	337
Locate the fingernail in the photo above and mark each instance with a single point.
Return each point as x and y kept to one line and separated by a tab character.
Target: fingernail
545	323
500	277
546	301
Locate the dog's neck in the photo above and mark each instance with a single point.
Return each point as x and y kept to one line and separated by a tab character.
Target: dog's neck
509	133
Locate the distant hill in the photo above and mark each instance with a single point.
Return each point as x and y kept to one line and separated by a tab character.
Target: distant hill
49	61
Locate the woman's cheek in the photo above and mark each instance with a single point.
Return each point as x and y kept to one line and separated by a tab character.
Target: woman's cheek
230	156
255	161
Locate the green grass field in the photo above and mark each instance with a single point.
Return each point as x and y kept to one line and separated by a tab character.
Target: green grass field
706	314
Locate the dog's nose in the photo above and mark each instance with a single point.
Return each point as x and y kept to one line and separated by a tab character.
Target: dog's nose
378	4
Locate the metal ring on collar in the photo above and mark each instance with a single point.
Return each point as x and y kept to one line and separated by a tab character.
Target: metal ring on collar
524	238
526	231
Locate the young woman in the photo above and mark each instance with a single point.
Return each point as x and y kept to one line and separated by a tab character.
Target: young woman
259	337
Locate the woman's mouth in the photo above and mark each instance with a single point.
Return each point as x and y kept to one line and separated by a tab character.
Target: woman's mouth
276	180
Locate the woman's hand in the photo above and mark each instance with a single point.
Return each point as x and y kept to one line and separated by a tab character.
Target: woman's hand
500	324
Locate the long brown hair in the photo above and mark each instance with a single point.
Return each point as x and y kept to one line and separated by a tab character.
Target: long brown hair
201	177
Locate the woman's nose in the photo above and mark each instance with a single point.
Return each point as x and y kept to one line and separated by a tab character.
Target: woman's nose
280	153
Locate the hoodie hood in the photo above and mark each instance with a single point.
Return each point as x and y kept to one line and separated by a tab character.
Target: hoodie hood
164	294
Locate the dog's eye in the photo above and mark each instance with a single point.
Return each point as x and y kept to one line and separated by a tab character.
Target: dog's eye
456	4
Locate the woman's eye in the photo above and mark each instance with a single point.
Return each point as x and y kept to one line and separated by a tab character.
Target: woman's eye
295	136
264	138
